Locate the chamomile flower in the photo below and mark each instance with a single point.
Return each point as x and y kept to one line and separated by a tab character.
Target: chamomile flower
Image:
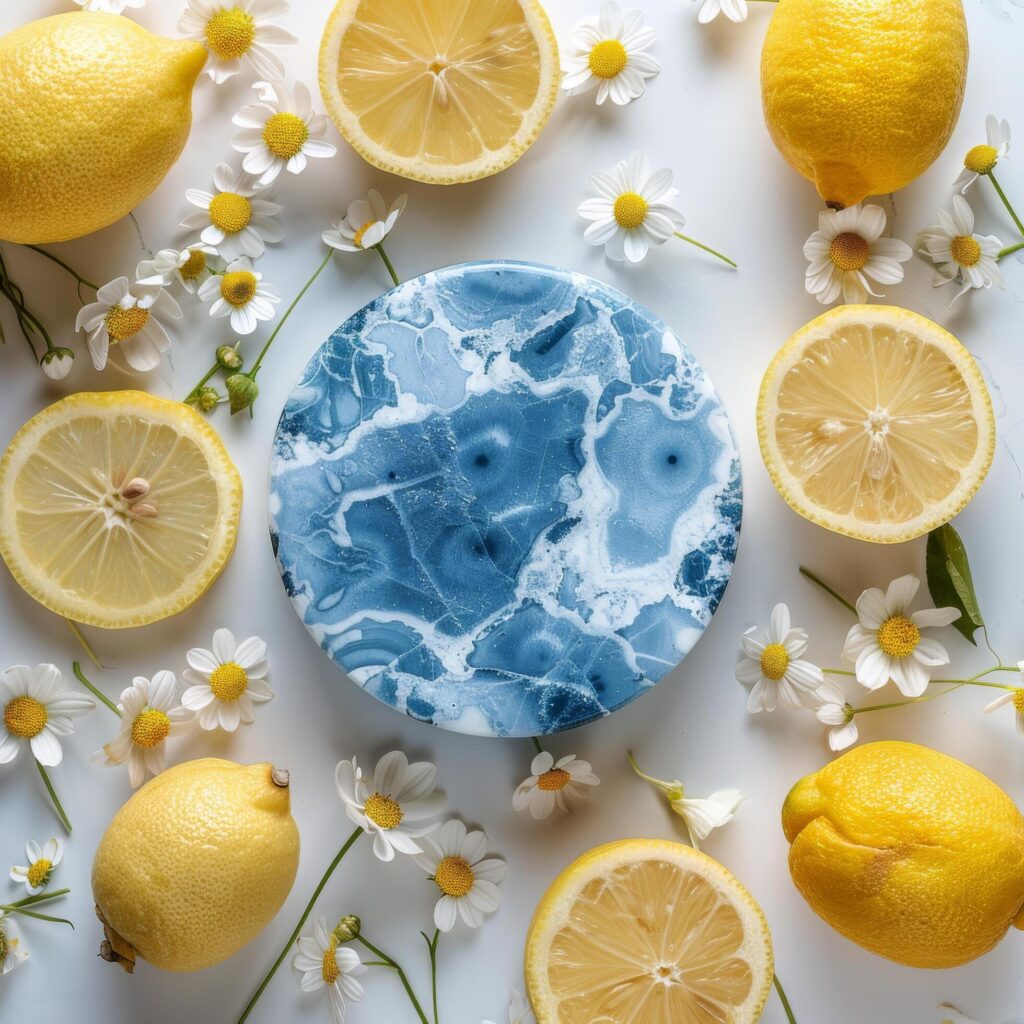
958	253
189	267
37	711
41	862
837	713
12	949
1014	698
110	6
150	713
734	10
773	665
239	293
237	33
553	784
887	644
227	682
234	220
610	52
366	223
56	363
323	963
519	1011
457	862
632	210
395	803
127	317
281	131
983	159
847	251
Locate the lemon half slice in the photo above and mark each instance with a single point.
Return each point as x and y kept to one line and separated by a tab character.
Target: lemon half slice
439	92
876	423
646	931
118	508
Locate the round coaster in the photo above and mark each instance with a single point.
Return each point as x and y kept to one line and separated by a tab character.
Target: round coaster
505	499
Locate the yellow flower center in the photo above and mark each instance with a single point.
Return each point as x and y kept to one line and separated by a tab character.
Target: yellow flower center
898	636
454	876
358	240
384	811
630	210
238	287
39	872
607	59
230	212
285	134
330	968
965	250
1018	700
122	323
228	681
150	728
849	251
553	780
774	662
25	717
230	33
981	159
194	265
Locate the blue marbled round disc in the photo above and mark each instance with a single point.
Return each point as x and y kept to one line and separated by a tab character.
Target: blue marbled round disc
505	499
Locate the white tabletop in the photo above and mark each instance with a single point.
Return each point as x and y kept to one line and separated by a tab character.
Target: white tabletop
702	117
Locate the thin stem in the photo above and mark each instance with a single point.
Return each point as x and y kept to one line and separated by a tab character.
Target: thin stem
199	387
302	920
387	263
1006	202
86	646
432	946
536	743
706	248
388	961
984	629
60	263
288	312
43	917
643	775
138	230
775	979
1008	250
98	694
30	901
828	590
53	796
838	672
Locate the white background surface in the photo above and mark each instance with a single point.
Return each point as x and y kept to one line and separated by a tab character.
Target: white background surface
702	117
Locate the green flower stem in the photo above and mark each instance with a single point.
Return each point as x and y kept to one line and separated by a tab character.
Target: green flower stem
536	743
432	948
904	703
30	901
387	961
387	263
86	646
251	373
53	796
707	248
60	263
99	695
1009	249
778	984
194	393
828	590
349	843
1006	202
26	320
837	672
43	917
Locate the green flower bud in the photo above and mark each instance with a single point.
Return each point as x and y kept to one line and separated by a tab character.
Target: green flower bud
4	947
348	928
229	357
242	392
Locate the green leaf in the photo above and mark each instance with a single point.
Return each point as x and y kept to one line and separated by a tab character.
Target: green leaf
949	579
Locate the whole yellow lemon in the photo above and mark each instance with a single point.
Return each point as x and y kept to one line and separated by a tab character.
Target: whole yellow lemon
195	864
94	109
909	853
861	96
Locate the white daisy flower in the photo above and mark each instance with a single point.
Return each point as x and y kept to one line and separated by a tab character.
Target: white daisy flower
41	862
887	643
234	220
323	963
982	159
847	251
150	713
12	949
519	1011
227	682
239	293
457	862
110	6
734	10
127	315
837	713
632	210
611	53
959	254
237	33
1013	697
553	784
366	224
189	267
281	131
37	711
394	804
56	363
773	665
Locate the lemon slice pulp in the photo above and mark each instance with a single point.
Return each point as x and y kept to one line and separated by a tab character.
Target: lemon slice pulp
646	931
439	92
118	508
875	423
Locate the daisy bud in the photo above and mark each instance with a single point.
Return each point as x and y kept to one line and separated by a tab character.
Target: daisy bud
207	399
348	928
229	358
242	391
57	363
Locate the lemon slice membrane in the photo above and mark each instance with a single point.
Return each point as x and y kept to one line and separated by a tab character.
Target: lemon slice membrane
875	423
118	508
647	931
440	92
